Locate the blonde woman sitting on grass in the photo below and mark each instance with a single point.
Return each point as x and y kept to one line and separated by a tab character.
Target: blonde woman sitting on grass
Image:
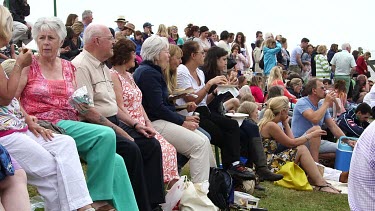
295	150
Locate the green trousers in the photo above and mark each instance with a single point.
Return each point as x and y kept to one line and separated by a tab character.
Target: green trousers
346	78
107	177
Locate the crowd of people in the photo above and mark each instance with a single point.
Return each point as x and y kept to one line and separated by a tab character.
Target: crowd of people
134	133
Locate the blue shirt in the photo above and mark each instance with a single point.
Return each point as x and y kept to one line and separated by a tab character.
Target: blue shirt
299	123
269	55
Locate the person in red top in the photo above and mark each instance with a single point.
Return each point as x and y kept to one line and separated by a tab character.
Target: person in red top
256	88
362	64
275	79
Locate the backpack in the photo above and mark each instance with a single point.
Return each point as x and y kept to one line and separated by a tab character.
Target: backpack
220	187
261	61
6	166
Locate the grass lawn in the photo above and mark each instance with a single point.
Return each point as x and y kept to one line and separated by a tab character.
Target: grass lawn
279	198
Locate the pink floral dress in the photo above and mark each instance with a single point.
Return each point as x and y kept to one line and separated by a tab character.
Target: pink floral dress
48	99
132	97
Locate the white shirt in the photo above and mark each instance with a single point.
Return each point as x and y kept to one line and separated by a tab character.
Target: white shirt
344	62
185	80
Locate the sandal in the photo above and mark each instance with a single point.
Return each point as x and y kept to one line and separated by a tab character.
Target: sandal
323	188
106	207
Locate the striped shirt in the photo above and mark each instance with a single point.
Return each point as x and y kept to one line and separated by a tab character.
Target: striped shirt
361	185
323	70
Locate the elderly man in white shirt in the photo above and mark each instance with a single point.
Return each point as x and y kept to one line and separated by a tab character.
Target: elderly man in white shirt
343	64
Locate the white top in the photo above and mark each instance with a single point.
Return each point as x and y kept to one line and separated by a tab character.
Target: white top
297	51
185	80
225	45
344	61
370	97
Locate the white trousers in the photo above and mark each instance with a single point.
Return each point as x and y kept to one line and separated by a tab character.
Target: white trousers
53	167
19	33
193	144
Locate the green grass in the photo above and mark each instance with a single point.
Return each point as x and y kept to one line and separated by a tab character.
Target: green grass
279	198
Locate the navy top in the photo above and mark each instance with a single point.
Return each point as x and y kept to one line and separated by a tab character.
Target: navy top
150	80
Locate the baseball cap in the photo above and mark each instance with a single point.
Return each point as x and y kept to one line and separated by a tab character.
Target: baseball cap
147	24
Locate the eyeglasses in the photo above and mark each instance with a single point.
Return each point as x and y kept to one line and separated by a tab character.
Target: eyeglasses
201	52
175	29
111	38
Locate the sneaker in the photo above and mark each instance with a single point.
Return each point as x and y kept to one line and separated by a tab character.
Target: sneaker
240	171
266	174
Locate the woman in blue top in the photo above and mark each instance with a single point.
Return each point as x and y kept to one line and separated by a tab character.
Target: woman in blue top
270	49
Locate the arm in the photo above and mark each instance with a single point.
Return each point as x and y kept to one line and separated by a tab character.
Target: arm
316	116
287	129
12	52
8	87
123	114
150	83
273	50
274	130
336	131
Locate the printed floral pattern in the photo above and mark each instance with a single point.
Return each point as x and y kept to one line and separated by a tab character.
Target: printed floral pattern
275	161
48	99
11	117
132	97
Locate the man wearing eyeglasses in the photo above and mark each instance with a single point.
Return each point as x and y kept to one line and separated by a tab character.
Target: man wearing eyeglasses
139	149
310	111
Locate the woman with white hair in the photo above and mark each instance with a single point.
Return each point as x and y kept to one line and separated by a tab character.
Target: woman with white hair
50	160
181	131
44	91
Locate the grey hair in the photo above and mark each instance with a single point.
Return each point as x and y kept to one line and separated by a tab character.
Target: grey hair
86	13
6	23
152	47
49	23
268	35
345	46
91	31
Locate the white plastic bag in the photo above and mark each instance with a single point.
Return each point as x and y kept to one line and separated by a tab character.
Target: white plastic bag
174	194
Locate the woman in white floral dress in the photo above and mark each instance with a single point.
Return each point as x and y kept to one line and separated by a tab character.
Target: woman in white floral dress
129	99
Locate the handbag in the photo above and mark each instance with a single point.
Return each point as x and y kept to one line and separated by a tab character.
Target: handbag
294	177
195	197
6	166
174	194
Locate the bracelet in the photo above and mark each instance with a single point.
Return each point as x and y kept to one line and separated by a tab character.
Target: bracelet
17	65
135	125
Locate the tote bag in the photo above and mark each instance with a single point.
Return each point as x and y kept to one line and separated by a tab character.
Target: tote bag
194	198
294	177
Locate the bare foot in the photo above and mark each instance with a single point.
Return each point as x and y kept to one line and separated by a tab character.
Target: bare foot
344	177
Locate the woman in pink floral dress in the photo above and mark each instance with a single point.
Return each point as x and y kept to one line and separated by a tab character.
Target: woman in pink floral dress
129	99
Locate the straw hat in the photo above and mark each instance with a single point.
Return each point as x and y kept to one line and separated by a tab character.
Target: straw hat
121	18
130	26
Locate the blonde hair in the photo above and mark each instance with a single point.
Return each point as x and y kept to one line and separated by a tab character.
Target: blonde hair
247	97
77	27
295	81
321	49
6	24
247	108
274	107
270	43
171	75
162	31
275	74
